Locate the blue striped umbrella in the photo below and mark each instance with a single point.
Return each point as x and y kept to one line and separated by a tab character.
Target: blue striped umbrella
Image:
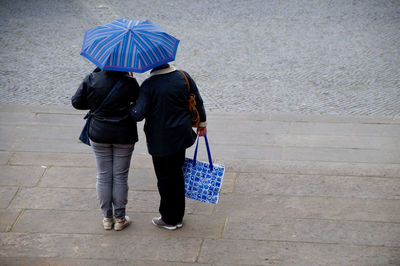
129	45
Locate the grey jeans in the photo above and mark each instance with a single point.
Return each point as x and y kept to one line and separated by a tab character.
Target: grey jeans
113	161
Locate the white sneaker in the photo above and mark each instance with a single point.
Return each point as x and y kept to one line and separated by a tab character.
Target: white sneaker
122	223
108	223
157	221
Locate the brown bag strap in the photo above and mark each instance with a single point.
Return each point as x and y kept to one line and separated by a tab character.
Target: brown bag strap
192	104
186	79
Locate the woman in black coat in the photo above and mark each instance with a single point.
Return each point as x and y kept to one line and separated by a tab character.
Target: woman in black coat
113	134
163	102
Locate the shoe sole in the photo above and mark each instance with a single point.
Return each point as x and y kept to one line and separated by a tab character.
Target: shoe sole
173	227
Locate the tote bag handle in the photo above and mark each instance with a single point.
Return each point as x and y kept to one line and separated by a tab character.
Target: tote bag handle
208	152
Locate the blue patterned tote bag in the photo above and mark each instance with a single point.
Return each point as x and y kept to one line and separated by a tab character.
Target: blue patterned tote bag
203	180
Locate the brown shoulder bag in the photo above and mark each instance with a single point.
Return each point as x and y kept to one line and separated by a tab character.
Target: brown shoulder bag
194	114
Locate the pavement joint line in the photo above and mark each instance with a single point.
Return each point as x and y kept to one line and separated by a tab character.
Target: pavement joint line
12	154
46	168
64	166
199	252
307	161
224	227
334	220
294	173
315	196
16	220
235	178
316	242
109	233
128	211
14	197
338	122
325	175
206	215
336	135
112	261
226	116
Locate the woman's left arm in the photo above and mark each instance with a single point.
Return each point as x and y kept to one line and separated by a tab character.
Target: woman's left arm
138	111
79	100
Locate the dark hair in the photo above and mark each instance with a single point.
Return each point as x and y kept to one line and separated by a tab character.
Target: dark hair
160	67
115	73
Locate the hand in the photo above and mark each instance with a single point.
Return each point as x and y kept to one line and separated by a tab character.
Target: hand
201	131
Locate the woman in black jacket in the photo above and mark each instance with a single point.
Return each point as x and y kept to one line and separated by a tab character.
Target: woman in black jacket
163	101
113	134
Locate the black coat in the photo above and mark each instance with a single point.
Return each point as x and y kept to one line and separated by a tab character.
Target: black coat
163	101
112	123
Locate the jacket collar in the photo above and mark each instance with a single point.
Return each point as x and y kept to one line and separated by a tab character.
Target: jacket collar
163	71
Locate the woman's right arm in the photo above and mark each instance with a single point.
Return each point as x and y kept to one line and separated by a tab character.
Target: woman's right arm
79	100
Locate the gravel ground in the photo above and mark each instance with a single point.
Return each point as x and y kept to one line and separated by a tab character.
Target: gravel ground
318	56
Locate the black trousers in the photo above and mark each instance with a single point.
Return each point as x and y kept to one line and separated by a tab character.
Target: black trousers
171	186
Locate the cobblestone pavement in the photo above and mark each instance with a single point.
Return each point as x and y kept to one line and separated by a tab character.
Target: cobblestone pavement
328	57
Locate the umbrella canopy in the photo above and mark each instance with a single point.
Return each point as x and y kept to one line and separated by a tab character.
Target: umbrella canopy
129	45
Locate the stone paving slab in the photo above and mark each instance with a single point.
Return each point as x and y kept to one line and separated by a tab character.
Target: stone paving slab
53	159
6	196
47	132
242	152
7	219
60	199
55	199
4	157
85	246
20	175
346	119
11	118
314	231
345	129
254	252
65	222
313	168
331	208
288	198
342	155
318	185
307	118
48	145
85	177
349	142
266	127
82	159
69	177
89	262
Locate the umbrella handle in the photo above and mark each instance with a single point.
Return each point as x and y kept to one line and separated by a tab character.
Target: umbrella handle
208	152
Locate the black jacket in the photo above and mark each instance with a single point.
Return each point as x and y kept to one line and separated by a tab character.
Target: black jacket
163	101
112	123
